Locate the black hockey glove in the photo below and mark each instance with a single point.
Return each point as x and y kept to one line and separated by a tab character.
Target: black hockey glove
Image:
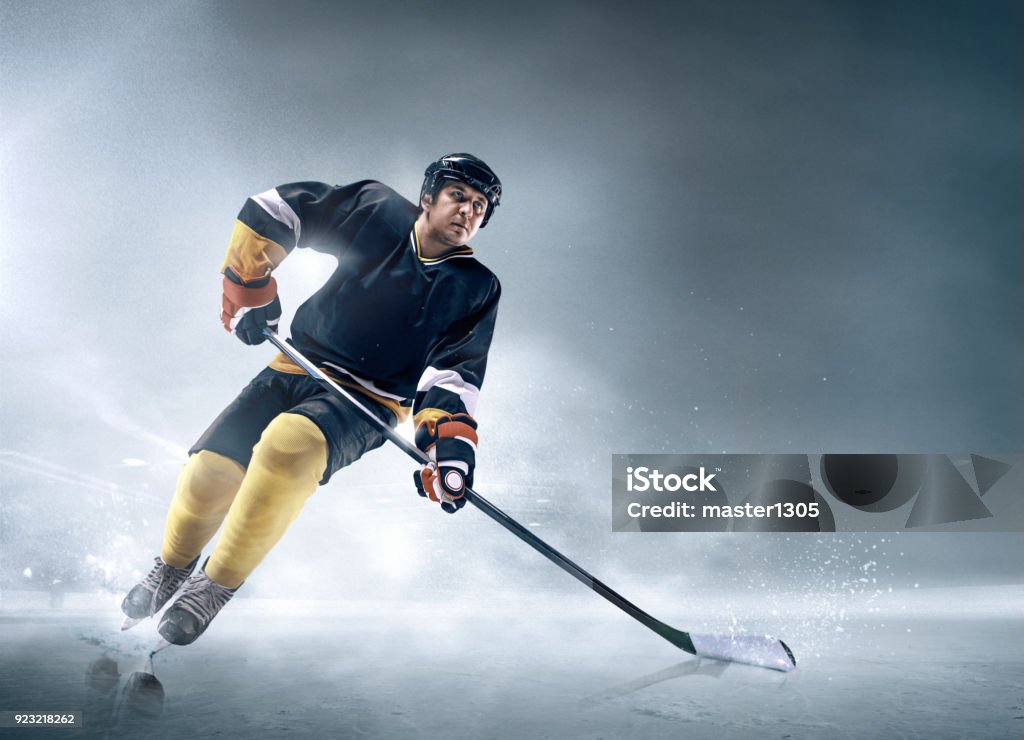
246	308
450	444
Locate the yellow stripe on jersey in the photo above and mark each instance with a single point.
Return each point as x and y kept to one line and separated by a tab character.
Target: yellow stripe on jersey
250	255
283	364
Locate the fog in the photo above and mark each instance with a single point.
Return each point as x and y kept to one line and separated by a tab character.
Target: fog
729	227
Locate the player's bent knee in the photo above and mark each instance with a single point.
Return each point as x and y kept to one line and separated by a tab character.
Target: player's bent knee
209	474
292	445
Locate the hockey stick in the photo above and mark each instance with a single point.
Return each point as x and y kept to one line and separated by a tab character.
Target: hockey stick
765	652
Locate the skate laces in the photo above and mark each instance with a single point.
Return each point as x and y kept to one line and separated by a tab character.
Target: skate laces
203	597
164	579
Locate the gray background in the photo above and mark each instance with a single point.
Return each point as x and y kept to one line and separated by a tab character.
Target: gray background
728	227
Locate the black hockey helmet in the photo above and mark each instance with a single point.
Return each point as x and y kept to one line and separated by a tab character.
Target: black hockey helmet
468	169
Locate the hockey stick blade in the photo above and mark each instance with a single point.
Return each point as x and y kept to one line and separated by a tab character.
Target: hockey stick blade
764	652
758	651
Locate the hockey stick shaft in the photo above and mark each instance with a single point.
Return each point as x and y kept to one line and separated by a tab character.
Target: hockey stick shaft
472	496
678	638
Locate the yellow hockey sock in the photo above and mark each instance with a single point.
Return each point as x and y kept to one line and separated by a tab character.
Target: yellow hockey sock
206	486
286	468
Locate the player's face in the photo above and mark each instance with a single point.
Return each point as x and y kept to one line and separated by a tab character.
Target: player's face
455	213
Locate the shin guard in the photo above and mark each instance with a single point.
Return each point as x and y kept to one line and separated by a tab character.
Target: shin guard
206	487
286	468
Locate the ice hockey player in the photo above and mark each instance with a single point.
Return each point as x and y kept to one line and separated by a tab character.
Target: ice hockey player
405	320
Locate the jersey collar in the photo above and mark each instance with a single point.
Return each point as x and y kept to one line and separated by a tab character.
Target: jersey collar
414	240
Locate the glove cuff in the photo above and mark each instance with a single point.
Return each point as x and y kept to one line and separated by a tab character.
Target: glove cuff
244	296
458	427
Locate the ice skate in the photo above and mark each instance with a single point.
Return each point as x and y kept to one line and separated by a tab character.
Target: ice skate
191	613
149	596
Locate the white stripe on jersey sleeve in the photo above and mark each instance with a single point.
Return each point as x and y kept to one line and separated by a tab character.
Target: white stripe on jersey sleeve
272	202
451	381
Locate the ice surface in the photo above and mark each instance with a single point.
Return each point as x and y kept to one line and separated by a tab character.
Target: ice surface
948	667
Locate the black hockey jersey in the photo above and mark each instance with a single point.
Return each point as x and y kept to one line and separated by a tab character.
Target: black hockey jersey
410	331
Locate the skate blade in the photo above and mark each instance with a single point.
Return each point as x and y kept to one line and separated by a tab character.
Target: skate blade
161	644
130	622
